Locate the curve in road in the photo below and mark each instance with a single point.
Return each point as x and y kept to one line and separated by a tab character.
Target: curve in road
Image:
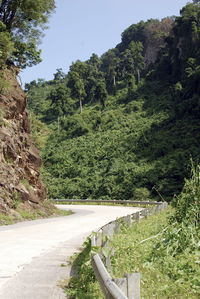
32	253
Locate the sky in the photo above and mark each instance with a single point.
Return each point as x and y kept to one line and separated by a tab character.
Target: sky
79	28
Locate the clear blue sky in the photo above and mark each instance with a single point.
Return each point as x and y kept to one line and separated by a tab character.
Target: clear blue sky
79	28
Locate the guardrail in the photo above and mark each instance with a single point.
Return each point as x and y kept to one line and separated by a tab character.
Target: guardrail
114	201
121	288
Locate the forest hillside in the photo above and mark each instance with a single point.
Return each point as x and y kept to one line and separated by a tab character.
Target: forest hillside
123	125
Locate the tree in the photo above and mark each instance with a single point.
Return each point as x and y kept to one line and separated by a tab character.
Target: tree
24	21
136	49
127	66
6	44
109	66
136	32
101	92
77	79
94	61
156	32
184	41
30	85
76	83
59	75
61	101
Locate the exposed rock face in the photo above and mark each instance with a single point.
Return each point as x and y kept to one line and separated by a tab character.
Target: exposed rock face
19	159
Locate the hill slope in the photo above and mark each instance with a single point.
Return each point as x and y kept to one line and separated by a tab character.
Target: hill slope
126	124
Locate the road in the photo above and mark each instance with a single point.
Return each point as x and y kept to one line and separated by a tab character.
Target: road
34	255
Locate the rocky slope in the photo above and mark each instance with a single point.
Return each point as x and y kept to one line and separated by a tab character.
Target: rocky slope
20	184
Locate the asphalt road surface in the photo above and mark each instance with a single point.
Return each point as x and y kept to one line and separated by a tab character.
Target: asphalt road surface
35	255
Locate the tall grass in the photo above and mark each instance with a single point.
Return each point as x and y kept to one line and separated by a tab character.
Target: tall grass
166	250
152	248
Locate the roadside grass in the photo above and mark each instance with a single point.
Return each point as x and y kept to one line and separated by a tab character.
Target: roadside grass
162	276
6	220
83	284
23	215
136	250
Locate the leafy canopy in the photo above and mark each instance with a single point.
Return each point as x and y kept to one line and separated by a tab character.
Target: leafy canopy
24	21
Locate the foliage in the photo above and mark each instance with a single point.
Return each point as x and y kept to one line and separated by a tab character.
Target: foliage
83	284
180	241
46	210
6	44
4	85
188	202
1	118
39	132
139	120
21	25
61	101
26	54
165	273
6	220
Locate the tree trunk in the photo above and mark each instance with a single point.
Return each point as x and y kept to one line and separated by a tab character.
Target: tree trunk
114	81
138	75
58	121
81	105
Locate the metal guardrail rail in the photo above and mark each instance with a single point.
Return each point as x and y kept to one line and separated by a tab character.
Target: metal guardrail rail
129	286
114	201
108	286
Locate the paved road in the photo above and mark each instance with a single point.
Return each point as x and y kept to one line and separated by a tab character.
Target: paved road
32	253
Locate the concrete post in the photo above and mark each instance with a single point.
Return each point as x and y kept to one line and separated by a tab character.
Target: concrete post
99	238
138	217
122	284
108	263
127	219
117	226
133	285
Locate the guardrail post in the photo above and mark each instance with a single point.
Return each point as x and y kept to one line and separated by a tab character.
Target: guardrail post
122	284
127	219
93	240
108	229
133	285
99	239
137	216
153	210
108	263
158	209
117	226
112	228
133	217
109	288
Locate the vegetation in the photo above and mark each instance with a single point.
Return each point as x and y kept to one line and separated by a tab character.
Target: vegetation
164	248
126	123
165	273
22	213
83	284
21	25
123	126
